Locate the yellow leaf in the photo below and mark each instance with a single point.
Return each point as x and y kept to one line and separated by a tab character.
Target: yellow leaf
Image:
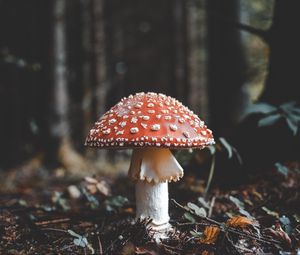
210	235
239	221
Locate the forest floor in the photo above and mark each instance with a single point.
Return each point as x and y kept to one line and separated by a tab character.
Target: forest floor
50	212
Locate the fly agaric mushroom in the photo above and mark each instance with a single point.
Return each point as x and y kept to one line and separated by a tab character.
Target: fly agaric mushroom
151	124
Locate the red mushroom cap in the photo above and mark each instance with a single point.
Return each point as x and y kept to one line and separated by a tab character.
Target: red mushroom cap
149	120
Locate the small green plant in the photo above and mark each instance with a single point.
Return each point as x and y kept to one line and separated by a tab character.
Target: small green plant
270	115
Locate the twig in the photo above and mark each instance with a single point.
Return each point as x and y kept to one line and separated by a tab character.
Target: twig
55	229
211	206
211	174
46	222
229	229
100	245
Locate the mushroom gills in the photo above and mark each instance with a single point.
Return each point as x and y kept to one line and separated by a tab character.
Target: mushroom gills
154	165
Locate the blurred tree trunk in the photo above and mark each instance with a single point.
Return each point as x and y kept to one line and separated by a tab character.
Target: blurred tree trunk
60	124
179	51
101	83
60	127
196	57
226	64
86	26
100	63
190	76
283	80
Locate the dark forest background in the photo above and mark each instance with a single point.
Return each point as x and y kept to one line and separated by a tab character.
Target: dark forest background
64	63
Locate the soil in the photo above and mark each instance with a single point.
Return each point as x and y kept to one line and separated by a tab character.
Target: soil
49	211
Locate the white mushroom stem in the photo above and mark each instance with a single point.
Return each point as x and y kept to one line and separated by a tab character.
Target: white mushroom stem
152	201
153	168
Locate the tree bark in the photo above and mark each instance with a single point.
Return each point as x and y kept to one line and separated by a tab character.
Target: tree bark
62	146
101	82
225	64
60	125
179	51
283	80
196	58
86	35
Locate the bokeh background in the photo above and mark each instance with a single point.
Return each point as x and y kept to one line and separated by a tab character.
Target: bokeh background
63	63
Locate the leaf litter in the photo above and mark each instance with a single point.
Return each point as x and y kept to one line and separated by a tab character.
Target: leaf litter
57	215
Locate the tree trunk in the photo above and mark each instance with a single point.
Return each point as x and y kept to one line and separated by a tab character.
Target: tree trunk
60	127
179	50
86	25
101	83
226	65
196	57
283	80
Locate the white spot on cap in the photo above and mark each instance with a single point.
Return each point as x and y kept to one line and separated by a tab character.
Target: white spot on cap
112	121
134	120
173	127
106	131
203	132
134	130
151	111
120	132
181	120
150	105
145	117
168	117
144	125
158	116
186	134
155	127
122	124
138	105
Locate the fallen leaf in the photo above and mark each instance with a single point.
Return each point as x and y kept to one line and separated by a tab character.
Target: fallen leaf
207	253
210	235
200	211
189	217
270	212
279	234
239	221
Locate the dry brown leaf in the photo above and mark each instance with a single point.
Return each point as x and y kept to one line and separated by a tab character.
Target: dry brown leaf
207	253
239	221
279	234
93	186
210	234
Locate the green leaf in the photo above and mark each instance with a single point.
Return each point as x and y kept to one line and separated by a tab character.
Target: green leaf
293	126
260	108
269	120
189	217
288	106
268	211
82	242
78	240
115	203
282	169
237	202
194	233
202	201
286	223
200	211
227	146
